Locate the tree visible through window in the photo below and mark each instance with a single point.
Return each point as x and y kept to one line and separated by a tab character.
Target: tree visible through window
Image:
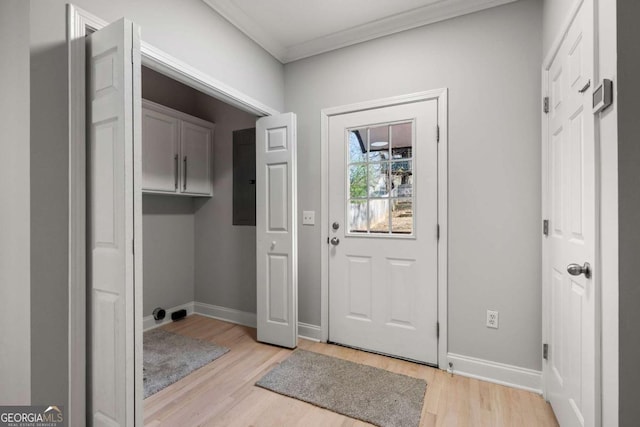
380	168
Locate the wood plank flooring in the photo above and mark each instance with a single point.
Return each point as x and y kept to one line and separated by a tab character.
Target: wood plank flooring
223	392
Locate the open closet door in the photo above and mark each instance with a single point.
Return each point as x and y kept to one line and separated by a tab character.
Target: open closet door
113	111
276	230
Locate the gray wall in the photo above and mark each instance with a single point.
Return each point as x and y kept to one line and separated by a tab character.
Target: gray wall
554	16
192	251
221	257
629	206
225	254
15	281
49	204
490	61
192	32
168	251
168	221
186	29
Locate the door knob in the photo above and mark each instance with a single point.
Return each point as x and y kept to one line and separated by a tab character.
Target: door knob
335	241
577	269
335	225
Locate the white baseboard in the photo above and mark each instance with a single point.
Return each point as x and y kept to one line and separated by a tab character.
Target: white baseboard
231	315
148	322
499	373
305	330
309	332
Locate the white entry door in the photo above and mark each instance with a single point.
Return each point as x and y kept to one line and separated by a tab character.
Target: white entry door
276	230
113	112
571	370
383	215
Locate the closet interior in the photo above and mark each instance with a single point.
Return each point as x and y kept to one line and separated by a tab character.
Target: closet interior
199	236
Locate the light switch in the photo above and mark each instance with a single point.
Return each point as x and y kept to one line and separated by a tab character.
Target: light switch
308	217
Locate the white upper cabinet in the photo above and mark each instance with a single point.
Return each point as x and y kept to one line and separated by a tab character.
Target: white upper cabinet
176	152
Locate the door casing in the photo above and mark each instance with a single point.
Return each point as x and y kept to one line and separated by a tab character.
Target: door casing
79	24
441	96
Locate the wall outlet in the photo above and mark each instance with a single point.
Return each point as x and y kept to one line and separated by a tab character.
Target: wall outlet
308	217
492	319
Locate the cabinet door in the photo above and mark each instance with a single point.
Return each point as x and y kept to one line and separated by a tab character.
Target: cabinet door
160	134
196	158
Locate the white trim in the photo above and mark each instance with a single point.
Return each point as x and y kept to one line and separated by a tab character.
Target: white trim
443	221
231	315
245	318
148	322
429	14
441	95
234	14
498	373
178	70
79	24
309	332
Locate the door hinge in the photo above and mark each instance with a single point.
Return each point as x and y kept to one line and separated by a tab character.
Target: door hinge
545	351
545	227
437	329
438	231
133	247
545	105
438	133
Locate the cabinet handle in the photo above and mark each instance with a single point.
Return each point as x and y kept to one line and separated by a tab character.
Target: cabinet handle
175	171
184	184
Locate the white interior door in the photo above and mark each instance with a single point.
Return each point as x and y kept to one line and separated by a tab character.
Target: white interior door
383	215
113	145
276	230
571	370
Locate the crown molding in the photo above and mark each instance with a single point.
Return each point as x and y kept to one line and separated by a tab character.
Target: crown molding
251	28
429	14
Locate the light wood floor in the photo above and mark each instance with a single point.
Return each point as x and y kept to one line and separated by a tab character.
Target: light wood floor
223	392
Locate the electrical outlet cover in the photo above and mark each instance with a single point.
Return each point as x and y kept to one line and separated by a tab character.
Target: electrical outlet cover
308	217
492	319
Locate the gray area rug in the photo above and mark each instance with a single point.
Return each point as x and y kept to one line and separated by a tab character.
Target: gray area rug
369	394
169	357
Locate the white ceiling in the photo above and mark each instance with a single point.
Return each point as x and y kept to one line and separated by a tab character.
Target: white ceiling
296	29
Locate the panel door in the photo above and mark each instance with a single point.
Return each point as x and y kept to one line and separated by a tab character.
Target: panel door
276	230
383	204
196	143
160	163
113	112
571	369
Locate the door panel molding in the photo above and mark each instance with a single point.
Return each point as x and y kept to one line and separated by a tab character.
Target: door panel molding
441	96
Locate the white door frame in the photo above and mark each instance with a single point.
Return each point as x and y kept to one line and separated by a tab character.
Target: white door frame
79	24
546	203
440	95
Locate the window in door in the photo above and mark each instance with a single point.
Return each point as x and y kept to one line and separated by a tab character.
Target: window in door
380	166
